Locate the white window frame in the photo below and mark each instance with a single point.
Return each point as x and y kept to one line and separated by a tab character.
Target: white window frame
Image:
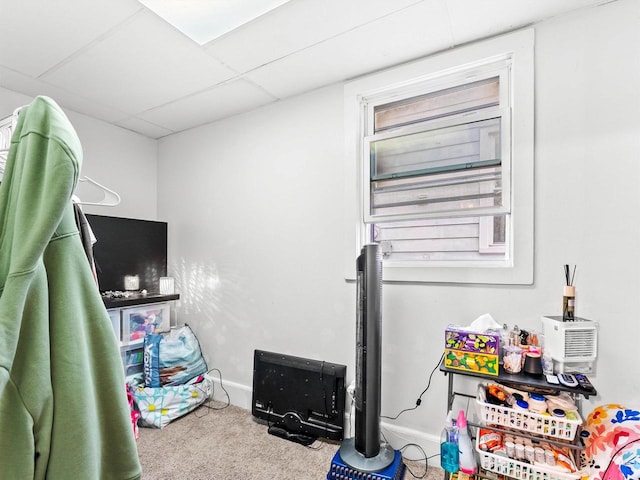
518	266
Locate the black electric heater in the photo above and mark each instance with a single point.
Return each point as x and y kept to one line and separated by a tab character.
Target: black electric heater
301	399
364	456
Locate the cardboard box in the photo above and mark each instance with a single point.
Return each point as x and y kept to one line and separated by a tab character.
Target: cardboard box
481	363
459	339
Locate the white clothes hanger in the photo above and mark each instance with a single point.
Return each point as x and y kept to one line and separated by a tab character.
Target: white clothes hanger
6	129
7	126
111	198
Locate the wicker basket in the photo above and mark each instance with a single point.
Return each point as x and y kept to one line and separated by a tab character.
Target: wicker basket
537	424
521	470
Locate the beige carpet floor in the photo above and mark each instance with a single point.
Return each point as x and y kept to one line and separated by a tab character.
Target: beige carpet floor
230	444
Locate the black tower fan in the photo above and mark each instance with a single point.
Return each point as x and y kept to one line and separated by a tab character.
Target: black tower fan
364	452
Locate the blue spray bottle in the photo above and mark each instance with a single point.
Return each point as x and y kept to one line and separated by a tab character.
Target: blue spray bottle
449	452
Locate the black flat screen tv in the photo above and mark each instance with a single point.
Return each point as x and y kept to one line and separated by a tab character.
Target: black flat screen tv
299	397
128	246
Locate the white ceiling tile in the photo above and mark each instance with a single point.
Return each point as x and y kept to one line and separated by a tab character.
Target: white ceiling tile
67	100
222	101
295	26
37	34
144	128
143	64
412	33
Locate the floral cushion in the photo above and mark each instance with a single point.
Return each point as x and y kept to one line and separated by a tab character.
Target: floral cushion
612	443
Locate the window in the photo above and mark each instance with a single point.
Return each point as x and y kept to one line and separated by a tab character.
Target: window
442	182
439	155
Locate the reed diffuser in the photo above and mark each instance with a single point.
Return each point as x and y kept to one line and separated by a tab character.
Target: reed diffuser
569	296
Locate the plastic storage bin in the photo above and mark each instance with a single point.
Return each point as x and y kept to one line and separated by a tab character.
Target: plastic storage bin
138	321
535	423
132	360
522	470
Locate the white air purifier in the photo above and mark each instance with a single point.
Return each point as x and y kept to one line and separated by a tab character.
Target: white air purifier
573	345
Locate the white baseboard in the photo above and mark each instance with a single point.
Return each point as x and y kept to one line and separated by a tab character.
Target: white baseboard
239	394
399	436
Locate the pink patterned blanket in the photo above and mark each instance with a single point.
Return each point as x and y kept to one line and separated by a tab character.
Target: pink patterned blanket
612	443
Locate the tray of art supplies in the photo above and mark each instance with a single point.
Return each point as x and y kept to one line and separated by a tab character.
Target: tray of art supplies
554	416
525	459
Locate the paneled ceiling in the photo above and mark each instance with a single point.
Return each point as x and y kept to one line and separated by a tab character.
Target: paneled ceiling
117	61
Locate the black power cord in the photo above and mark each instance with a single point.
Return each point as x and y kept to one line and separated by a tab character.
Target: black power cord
419	401
208	403
424	457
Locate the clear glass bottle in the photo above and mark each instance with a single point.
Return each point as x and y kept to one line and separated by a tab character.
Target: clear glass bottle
569	303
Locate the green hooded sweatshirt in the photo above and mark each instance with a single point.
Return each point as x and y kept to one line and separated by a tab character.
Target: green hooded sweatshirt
63	408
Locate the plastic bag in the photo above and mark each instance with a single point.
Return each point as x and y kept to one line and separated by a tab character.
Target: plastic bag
172	358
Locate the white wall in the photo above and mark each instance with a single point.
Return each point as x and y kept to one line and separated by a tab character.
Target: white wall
255	214
119	159
255	207
123	161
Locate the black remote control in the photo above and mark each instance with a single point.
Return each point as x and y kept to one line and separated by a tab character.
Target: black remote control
584	382
568	380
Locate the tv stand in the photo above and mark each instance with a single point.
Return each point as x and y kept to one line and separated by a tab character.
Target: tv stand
300	438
